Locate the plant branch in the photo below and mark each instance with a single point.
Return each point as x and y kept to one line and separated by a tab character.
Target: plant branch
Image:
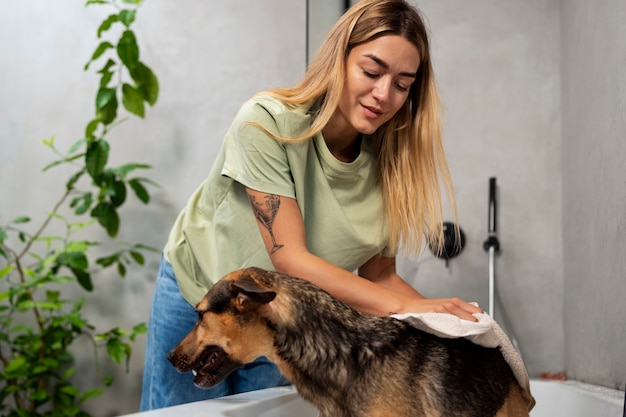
44	224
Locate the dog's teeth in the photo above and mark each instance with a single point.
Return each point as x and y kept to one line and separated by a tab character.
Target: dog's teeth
193	371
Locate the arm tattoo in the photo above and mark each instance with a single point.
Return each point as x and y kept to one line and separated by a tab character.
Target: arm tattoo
265	213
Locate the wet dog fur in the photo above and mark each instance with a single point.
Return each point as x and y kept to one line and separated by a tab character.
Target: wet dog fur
346	363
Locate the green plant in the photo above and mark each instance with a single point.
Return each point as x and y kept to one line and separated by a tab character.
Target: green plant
38	322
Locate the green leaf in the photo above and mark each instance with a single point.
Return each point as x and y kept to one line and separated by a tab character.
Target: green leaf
73	179
53	164
147	83
146	247
82	204
80	142
40	394
100	50
16	365
107	73
106	24
108	260
127	49
46	305
6	270
123	170
22	329
91	394
21	219
53	296
106	79
127	17
78	246
132	100
117	350
84	279
140	328
77	226
97	157
61	161
104	97
68	374
48	142
107	67
106	105
121	269
107	216
138	257
24	305
75	260
71	390
117	193
91	128
140	191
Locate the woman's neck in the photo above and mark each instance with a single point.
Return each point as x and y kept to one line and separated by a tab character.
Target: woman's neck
344	142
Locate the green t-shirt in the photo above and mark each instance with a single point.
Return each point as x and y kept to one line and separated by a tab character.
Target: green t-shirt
340	202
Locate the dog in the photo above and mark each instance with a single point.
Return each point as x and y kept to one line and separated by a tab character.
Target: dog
346	363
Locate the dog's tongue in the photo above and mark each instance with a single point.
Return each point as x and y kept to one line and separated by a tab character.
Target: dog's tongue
207	374
210	361
208	364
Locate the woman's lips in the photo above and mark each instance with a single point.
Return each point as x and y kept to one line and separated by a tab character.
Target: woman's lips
371	112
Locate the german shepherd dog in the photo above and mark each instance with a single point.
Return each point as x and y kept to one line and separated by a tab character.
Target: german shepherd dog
346	363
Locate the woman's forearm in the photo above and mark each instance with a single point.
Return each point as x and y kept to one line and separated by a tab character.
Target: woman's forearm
358	292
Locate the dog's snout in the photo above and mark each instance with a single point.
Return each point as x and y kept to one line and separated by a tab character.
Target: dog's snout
179	362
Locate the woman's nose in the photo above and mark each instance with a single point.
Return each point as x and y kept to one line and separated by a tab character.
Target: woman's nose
381	89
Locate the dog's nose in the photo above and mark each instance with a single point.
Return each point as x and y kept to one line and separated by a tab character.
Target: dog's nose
179	362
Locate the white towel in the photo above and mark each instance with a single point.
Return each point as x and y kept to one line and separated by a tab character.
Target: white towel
485	332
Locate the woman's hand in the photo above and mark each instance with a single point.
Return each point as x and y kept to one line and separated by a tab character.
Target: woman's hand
382	271
444	305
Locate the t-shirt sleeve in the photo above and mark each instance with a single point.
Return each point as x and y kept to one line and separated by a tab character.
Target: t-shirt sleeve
252	157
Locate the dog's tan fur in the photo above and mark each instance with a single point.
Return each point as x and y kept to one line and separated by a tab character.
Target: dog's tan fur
346	363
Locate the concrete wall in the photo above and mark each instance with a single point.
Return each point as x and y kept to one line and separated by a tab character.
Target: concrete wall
593	63
533	93
498	66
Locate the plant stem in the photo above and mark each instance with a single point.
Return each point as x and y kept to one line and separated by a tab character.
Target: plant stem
43	226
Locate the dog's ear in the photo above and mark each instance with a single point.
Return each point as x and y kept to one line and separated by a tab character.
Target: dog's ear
249	295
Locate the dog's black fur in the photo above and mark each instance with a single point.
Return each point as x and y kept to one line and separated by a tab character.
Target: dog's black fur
346	363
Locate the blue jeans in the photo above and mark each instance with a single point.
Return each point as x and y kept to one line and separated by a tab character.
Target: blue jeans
171	318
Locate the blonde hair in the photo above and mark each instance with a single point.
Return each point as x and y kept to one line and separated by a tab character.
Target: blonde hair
410	152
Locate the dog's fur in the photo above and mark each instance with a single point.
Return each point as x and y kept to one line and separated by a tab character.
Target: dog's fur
346	363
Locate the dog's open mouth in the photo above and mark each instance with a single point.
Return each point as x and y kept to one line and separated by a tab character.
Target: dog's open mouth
213	366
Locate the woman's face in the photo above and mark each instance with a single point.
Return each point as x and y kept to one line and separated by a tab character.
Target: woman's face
379	75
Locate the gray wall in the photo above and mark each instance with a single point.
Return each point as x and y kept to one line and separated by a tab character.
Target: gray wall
533	93
497	64
593	63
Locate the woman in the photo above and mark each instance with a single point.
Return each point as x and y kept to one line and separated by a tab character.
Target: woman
335	173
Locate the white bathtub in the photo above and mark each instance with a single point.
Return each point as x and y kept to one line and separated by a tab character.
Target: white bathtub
554	399
575	399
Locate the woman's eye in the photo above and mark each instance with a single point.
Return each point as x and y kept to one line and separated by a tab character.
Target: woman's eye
370	74
402	88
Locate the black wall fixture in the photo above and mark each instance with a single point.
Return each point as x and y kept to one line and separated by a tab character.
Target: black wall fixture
453	244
